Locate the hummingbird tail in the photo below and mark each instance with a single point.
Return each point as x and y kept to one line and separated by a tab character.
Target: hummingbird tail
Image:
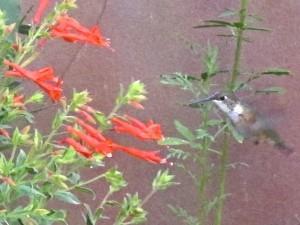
282	147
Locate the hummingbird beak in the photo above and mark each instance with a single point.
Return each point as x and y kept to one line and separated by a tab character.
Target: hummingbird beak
197	102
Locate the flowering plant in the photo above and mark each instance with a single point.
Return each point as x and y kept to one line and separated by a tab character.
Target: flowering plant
37	168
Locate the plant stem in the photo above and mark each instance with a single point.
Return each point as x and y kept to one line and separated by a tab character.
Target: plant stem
239	40
204	163
222	174
104	200
149	195
114	111
232	83
86	182
12	156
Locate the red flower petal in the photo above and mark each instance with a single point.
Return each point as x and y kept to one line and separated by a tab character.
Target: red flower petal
71	30
78	147
103	148
85	115
4	133
91	130
136	128
40	11
44	78
151	156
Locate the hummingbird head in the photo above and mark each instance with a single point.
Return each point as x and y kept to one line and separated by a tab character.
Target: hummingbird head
228	104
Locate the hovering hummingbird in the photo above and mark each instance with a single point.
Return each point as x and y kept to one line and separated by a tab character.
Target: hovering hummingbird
245	120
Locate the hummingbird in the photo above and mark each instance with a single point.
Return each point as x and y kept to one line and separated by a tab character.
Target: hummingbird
245	120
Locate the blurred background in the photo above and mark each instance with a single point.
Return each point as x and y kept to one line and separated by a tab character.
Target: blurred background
152	38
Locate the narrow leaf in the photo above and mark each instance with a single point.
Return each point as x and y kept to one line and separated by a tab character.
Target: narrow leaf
257	29
66	196
277	72
173	141
237	136
271	90
184	131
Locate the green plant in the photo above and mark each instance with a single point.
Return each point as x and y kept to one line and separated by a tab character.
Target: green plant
38	168
214	129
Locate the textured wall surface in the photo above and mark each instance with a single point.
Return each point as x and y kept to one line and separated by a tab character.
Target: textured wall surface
148	37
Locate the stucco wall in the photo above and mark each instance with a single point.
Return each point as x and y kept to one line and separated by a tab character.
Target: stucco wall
148	39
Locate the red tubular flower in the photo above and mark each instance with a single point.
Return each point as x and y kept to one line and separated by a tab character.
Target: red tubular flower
136	128
88	109
40	11
44	78
136	105
4	133
71	30
86	116
91	130
78	147
151	156
103	148
18	101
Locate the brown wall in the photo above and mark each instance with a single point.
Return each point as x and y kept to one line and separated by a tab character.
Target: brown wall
148	39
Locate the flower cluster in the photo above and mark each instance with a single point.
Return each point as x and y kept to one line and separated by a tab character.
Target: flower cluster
68	29
71	30
44	78
87	140
134	127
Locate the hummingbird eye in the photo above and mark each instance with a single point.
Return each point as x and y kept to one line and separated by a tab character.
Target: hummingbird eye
222	98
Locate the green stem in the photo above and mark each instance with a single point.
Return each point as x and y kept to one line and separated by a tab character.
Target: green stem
238	49
13	153
114	111
222	174
86	182
204	163
104	200
147	198
29	43
232	83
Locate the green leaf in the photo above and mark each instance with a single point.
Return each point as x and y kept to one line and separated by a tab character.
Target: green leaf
214	23
237	136
178	153
173	141
30	191
68	157
276	72
201	134
184	215
132	207
37	139
58	119
163	180
67	196
184	81
21	158
41	212
56	215
212	123
79	99
16	137
136	92
12	9
102	120
184	131
220	22
86	190
257	29
228	13
115	179
271	90
210	61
